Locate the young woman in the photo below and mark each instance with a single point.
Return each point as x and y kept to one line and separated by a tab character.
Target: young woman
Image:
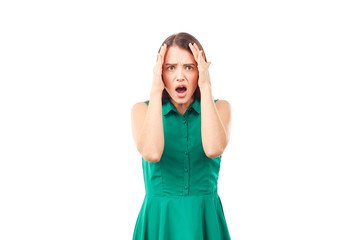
181	134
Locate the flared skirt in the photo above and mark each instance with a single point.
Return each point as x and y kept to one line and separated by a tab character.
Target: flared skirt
181	218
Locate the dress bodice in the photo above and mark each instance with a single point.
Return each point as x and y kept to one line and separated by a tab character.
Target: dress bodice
184	168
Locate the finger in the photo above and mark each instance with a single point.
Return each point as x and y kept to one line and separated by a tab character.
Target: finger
197	49
201	55
163	48
193	50
161	51
196	46
208	64
203	58
161	54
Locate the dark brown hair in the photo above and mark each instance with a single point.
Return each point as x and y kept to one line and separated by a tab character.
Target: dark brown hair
182	40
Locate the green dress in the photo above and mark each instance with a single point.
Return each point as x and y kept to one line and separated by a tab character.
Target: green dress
181	200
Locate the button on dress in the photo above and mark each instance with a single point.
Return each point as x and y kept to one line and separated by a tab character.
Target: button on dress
181	200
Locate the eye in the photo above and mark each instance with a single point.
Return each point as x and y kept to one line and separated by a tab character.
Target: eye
170	68
189	68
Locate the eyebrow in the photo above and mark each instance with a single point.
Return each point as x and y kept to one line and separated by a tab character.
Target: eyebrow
187	64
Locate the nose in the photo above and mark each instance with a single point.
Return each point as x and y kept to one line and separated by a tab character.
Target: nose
179	74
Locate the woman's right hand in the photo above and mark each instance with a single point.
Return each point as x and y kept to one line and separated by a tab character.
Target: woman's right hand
158	83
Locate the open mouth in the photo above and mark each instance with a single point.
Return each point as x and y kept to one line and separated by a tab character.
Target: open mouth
181	89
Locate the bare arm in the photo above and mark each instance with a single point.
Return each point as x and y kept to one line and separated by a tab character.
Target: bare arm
147	127
215	117
215	123
147	122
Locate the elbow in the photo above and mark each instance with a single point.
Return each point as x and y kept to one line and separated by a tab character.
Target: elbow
150	155
153	158
214	153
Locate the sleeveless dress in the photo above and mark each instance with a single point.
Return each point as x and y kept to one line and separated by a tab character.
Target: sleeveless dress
181	200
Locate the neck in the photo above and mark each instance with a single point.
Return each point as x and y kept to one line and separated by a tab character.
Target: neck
182	107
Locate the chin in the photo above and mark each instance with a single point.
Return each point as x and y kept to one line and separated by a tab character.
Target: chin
182	100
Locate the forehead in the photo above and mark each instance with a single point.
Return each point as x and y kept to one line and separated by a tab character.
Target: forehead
178	55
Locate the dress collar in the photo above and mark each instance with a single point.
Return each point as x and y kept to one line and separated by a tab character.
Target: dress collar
168	106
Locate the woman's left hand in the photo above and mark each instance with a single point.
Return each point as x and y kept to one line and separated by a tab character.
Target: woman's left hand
203	66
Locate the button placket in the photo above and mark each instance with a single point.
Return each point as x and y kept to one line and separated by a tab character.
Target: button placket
186	160
186	128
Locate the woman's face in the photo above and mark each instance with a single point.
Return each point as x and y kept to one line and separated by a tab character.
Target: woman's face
180	74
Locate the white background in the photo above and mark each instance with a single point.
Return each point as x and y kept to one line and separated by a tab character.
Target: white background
71	71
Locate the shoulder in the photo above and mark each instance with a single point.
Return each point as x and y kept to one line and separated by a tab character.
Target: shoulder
139	107
223	105
141	104
224	109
